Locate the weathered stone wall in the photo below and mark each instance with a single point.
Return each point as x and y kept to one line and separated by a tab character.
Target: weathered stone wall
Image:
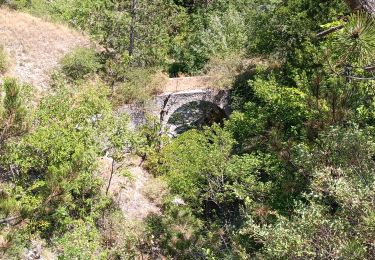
165	105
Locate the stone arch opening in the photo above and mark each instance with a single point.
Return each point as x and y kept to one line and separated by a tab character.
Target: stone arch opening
195	114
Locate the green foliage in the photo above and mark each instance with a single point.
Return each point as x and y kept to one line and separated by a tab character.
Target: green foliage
286	31
219	31
111	24
14	109
218	187
290	238
79	63
62	148
3	60
82	242
122	237
164	34
288	176
19	4
278	109
53	166
187	173
358	39
179	233
294	192
334	224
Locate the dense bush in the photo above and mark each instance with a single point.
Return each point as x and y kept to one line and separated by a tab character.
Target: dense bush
337	222
54	187
294	164
80	63
19	4
177	36
288	176
218	31
82	242
15	103
214	186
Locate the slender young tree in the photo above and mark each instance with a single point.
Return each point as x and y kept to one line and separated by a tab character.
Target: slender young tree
133	14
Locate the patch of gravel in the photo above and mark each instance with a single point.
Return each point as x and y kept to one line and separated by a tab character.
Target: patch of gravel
35	46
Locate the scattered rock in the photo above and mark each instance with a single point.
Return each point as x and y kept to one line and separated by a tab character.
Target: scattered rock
178	201
38	251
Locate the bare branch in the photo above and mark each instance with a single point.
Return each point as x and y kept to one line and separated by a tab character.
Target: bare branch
360	78
9	220
329	31
369	68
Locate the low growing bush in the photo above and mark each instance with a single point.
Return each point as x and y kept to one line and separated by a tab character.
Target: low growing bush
80	63
18	4
3	60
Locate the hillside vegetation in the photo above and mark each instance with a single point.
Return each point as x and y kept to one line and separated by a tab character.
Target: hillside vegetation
289	175
35	46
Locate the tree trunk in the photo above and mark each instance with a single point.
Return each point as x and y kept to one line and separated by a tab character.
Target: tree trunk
362	5
133	14
367	6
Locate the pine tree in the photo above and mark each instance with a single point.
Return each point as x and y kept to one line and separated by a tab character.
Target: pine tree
12	110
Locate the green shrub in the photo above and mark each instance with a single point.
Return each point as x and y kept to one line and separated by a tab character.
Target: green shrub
3	60
80	63
15	111
125	236
82	242
18	4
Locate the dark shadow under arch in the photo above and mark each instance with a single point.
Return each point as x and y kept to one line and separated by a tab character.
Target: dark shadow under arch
196	114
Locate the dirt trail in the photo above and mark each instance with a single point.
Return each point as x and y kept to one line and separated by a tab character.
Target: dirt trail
129	191
35	46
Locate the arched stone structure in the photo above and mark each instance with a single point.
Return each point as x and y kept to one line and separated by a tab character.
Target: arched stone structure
166	104
195	114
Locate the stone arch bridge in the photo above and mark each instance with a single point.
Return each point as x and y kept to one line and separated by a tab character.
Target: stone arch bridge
167	105
182	98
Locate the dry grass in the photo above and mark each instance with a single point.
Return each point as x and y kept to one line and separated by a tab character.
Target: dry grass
129	192
220	74
156	190
188	83
35	46
157	84
223	72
